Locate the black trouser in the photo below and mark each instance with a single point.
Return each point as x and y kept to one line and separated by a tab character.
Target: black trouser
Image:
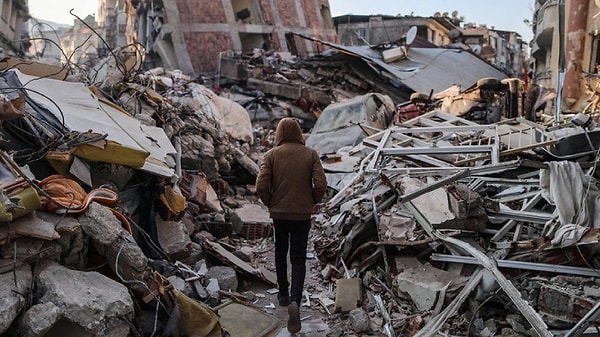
293	235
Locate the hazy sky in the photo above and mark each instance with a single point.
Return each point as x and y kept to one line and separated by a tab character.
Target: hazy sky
58	10
501	14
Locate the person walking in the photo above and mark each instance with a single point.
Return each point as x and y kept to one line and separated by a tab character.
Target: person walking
291	181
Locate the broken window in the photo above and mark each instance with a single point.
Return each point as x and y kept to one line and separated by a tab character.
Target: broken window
291	43
252	41
246	11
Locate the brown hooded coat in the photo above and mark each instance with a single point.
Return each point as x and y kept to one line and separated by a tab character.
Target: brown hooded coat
291	179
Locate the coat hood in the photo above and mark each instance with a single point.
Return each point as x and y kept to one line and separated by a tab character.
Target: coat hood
288	131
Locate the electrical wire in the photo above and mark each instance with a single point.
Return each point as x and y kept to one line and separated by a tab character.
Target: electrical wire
119	64
37	26
157	250
60	111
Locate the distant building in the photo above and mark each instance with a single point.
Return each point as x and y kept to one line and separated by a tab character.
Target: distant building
46	40
13	27
358	30
79	43
190	36
112	23
503	49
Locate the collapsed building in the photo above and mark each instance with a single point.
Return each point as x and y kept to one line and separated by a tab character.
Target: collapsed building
129	208
177	35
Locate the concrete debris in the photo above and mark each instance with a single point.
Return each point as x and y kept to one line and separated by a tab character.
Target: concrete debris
358	320
13	288
39	319
174	239
425	285
225	276
95	303
451	209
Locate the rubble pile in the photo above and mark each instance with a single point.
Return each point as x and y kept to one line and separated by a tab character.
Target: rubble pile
460	228
128	205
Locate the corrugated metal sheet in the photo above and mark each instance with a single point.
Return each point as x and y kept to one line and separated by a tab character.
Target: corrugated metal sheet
435	69
425	69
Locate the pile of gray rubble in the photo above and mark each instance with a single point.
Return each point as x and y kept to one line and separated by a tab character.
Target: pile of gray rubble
128	209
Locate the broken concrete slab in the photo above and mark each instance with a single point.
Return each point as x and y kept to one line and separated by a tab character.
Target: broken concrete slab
290	91
394	227
173	238
13	289
39	319
423	284
73	245
228	258
112	241
101	306
34	226
448	208
225	276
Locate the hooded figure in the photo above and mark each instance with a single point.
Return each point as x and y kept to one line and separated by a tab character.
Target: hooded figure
290	183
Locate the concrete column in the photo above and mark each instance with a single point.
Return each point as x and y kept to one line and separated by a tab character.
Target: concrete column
576	23
278	25
318	11
173	26
234	32
302	21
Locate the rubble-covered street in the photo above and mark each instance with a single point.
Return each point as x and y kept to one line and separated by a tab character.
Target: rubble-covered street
457	203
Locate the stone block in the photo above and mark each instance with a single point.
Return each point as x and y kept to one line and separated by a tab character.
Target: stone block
347	294
226	277
96	303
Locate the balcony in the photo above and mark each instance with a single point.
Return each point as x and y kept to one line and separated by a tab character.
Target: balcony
547	20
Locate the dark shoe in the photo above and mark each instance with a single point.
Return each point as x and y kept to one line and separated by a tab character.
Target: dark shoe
283	299
293	324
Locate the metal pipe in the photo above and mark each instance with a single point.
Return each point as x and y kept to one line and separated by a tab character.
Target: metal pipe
434	186
547	267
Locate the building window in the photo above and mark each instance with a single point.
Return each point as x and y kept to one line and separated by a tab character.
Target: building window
246	11
291	43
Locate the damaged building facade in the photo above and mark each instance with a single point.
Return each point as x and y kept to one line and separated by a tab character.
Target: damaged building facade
79	42
190	37
13	33
112	23
504	49
574	51
132	206
358	30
